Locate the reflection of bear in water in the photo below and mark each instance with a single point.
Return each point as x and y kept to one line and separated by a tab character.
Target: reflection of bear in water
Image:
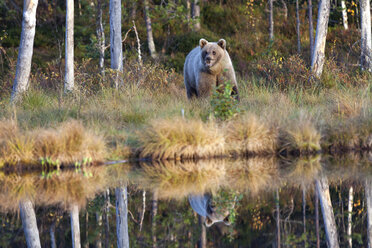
203	205
206	66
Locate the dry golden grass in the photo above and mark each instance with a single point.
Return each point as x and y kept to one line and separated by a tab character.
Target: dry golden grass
180	139
250	135
177	180
69	143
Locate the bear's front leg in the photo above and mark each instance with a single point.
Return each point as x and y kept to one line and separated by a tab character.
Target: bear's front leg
205	84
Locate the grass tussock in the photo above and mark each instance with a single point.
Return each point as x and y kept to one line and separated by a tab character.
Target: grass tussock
181	139
70	142
250	135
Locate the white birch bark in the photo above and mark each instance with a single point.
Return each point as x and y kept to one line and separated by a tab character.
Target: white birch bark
285	9
25	50
271	21
365	41
99	235
116	48
69	47
350	216
106	215
368	194
344	15
75	227
322	188
318	56
122	217
311	28
101	39
196	15
29	224
150	38
298	27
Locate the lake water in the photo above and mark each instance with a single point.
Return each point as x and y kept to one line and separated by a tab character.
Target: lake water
255	202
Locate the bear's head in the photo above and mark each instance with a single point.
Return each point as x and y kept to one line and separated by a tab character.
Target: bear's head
212	52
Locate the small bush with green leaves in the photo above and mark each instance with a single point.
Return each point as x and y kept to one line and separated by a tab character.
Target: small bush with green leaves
224	105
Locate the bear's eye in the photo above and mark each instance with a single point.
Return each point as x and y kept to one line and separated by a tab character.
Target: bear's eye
214	52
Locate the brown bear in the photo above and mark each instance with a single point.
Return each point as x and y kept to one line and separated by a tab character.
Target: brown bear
206	66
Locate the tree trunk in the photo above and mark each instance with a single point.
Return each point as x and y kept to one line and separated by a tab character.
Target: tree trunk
318	56
116	48
196	15
154	211
29	224
368	194
322	187
99	223
52	231
311	29
188	9
304	212
86	245
101	39
350	217
298	27
285	10
344	15
366	42
143	209
107	214
317	231
150	39
277	210
69	47
203	232
271	21
75	228
122	217
25	50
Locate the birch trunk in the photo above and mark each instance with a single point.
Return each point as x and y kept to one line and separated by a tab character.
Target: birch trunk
271	21
106	214
29	224
298	27
122	217
317	219
86	244
203	232
350	217
322	187
75	227
196	15
25	50
101	39
368	193
154	211
69	47
285	9
344	15
115	41
366	42
311	28
318	56
150	38
188	5
99	223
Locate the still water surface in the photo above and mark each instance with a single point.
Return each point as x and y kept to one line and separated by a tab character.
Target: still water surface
256	202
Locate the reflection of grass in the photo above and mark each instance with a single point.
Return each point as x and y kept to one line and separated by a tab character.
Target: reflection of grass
68	143
179	138
303	171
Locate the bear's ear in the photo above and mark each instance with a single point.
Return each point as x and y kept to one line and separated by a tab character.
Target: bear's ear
203	42
222	43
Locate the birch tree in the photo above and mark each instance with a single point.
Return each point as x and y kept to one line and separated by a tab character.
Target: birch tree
365	41
25	50
69	47
271	21
298	27
75	226
100	38
116	48
29	224
122	217
150	39
154	212
344	15
368	194
322	187
196	15
311	28
318	56
350	217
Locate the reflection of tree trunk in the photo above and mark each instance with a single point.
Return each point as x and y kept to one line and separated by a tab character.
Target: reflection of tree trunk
75	228
203	232
277	209
322	187
154	211
304	212
29	223
122	216
52	231
368	194
350	216
106	213
143	209
317	219
86	245
99	223
298	27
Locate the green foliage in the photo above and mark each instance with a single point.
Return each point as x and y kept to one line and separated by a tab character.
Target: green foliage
224	105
